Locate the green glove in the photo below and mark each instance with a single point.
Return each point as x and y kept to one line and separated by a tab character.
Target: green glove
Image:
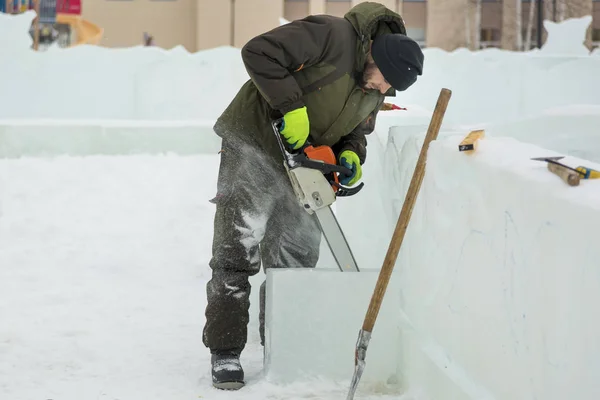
295	127
350	160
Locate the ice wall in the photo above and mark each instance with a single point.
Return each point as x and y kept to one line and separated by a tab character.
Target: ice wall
105	137
498	275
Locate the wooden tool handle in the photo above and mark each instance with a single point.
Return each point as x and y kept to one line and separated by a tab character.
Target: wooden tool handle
406	212
570	177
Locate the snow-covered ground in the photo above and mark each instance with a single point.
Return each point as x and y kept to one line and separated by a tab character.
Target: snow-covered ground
105	241
104	262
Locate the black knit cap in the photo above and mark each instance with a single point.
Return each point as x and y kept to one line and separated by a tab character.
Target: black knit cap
399	58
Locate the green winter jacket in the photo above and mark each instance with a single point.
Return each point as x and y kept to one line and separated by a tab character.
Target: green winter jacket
316	61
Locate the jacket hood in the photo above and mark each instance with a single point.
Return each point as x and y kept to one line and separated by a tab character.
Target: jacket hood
369	20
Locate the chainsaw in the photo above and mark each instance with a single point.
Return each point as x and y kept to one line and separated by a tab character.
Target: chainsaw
314	175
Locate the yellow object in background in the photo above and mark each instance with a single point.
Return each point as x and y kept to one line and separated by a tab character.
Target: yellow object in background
469	143
86	32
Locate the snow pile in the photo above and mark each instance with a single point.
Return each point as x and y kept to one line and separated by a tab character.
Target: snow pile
493	85
564	35
14	35
150	83
132	83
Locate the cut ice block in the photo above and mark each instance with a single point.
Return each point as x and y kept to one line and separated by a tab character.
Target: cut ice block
312	321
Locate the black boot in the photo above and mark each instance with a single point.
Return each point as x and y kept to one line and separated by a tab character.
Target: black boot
227	372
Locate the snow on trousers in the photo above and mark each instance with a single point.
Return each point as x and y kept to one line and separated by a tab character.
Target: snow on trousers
257	218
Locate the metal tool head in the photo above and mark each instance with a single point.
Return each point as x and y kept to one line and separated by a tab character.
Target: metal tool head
554	160
548	158
360	353
358	371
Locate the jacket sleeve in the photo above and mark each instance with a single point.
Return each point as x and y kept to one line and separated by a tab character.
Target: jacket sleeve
357	140
271	57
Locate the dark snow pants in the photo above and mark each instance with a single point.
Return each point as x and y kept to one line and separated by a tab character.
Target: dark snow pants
257	218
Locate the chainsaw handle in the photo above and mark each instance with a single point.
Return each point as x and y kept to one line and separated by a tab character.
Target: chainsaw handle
299	157
286	149
321	166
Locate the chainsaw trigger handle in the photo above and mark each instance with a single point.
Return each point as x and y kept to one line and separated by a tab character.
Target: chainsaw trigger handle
345	191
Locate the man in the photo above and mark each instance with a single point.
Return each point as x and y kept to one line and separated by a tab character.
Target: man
327	77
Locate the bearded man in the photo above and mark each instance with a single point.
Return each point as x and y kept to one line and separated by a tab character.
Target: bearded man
326	77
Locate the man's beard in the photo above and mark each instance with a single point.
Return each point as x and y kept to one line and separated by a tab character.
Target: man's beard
367	74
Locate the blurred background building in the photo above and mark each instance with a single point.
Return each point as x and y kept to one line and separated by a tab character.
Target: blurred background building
447	24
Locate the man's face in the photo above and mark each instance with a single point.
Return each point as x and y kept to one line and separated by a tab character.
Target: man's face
373	79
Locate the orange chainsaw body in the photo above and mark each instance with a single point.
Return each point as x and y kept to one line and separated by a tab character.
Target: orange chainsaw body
324	154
